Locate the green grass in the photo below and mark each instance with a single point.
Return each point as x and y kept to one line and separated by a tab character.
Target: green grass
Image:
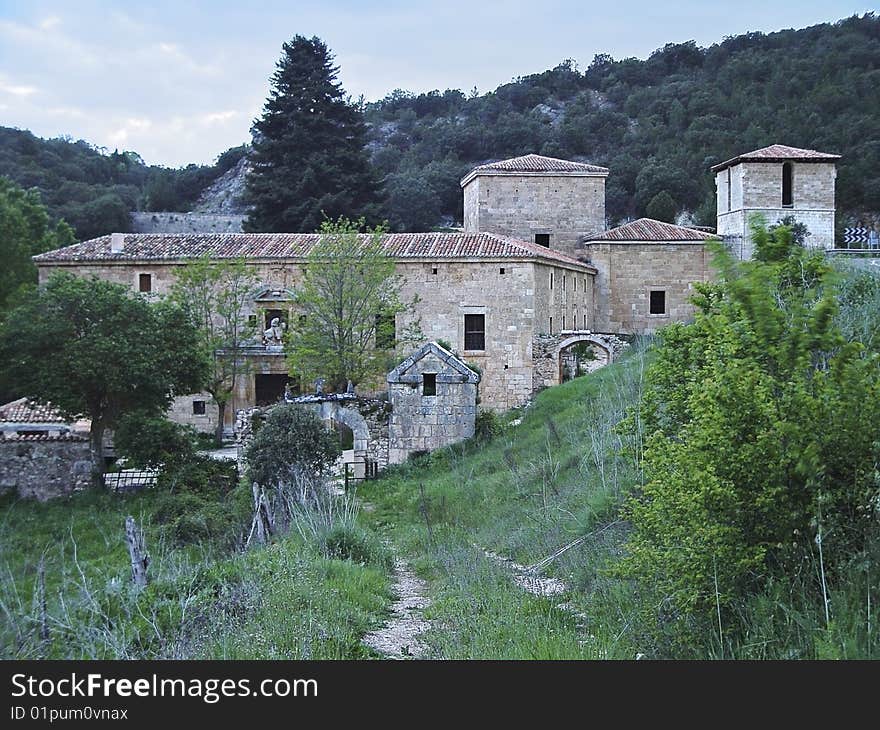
203	601
558	475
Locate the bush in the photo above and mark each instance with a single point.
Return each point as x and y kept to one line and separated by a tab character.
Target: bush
153	442
487	426
292	438
350	542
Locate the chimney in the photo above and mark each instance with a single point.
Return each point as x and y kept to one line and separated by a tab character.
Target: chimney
117	242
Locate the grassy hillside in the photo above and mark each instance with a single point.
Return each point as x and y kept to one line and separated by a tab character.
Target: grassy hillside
205	600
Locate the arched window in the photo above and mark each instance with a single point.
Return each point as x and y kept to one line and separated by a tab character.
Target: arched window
786	185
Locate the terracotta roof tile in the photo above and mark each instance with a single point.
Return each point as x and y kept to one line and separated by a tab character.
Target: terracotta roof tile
28	411
286	246
778	153
534	164
647	229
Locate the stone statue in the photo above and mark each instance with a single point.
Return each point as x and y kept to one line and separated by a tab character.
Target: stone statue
274	336
319	386
349	388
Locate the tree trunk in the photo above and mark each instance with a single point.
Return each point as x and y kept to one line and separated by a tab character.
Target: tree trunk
140	561
96	448
221	419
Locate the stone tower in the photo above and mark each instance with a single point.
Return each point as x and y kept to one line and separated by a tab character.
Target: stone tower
554	203
776	182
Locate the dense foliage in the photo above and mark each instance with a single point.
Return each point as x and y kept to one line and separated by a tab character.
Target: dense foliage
309	157
93	348
24	232
347	304
761	452
659	123
93	189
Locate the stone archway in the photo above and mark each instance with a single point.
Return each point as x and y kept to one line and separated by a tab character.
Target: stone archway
570	366
548	353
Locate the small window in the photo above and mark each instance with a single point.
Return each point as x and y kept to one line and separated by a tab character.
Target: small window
542	239
657	303
429	383
198	408
563	323
502	270
475	332
563	282
551	280
551	325
585	321
433	269
145	283
787	201
729	192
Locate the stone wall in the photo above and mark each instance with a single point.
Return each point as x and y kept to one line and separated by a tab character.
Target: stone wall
566	206
173	222
42	467
629	271
422	422
548	349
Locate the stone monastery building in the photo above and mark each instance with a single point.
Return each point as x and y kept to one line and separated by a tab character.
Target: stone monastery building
533	273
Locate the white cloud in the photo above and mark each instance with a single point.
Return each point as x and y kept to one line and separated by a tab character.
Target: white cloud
219	117
50	22
17	89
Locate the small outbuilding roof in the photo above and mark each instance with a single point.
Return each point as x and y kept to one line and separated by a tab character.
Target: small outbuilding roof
466	375
778	153
650	230
28	411
535	164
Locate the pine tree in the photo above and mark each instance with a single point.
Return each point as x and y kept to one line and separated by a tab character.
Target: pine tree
309	157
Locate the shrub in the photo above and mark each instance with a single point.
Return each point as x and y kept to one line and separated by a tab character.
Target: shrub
153	442
292	438
350	542
487	426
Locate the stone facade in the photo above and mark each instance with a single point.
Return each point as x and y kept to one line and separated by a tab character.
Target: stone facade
564	206
630	271
433	396
550	352
42	467
750	188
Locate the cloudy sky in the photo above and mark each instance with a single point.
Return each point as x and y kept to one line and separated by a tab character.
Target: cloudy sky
182	81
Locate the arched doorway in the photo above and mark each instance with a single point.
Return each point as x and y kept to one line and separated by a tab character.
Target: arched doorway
580	355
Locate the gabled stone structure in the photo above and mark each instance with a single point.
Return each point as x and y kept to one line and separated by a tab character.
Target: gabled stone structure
433	396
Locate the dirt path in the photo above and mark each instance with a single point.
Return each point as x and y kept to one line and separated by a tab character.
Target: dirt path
527	578
399	637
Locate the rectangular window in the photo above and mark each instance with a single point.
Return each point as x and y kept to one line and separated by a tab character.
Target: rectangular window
433	269
475	332
729	191
551	280
551	325
542	239
198	408
145	283
429	383
787	200
501	270
563	323
657	304
563	282
585	321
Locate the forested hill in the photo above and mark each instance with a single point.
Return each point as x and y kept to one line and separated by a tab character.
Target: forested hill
659	124
94	189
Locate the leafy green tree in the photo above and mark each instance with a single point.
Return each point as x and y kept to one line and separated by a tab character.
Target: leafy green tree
348	303
761	420
149	441
217	295
94	348
662	208
24	232
309	156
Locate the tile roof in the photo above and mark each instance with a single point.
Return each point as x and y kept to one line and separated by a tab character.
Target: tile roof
647	229
401	246
533	164
28	411
778	153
